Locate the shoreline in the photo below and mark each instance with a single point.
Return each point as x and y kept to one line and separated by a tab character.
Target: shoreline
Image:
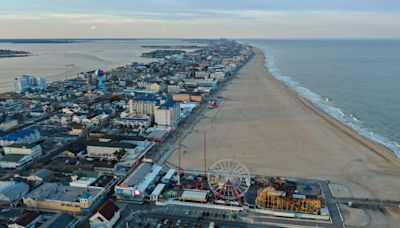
378	148
272	130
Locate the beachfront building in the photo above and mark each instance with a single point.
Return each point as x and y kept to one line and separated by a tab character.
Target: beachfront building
134	186
56	196
26	82
167	115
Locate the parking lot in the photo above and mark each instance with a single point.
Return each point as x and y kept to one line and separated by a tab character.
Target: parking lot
173	216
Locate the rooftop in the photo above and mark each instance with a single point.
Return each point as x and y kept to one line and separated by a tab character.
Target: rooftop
108	209
23	145
60	192
13	157
138	175
42	173
26	218
111	144
168	104
19	134
147	99
58	220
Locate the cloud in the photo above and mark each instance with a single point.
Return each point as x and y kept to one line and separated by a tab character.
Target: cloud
205	23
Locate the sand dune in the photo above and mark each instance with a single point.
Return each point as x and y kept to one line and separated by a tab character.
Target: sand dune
262	124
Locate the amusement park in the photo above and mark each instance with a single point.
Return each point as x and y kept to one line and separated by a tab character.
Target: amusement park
226	185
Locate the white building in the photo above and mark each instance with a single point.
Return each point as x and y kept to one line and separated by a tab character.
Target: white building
33	149
173	89
106	216
107	149
8	125
26	82
145	105
201	74
167	115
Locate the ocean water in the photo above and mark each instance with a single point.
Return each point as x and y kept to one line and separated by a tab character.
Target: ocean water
355	81
56	61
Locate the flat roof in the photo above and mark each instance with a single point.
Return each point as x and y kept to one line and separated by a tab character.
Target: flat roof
138	174
169	174
13	157
168	104
60	192
157	191
194	195
147	99
22	145
111	144
149	178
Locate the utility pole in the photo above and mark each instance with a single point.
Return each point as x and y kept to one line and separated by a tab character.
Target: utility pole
205	155
179	158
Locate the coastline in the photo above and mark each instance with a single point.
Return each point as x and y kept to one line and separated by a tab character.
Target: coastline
267	126
378	148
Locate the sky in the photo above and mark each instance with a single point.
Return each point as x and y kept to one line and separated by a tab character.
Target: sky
200	19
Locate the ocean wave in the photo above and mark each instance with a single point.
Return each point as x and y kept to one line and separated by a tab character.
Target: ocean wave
324	104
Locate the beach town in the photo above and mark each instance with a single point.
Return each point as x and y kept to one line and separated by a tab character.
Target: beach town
199	138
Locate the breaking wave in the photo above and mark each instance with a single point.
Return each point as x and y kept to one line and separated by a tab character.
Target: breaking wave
325	104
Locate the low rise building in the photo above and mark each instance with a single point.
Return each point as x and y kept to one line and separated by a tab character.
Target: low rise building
83	179
61	220
105	148
155	195
8	125
56	196
173	89
13	161
106	216
26	136
201	74
11	191
33	149
134	186
28	219
40	176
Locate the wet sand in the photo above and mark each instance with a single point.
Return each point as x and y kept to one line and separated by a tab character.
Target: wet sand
273	132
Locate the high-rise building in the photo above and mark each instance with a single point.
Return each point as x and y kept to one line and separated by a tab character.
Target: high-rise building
26	82
167	114
144	105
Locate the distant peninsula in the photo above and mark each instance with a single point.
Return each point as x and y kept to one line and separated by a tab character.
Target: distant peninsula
172	47
11	53
40	41
162	53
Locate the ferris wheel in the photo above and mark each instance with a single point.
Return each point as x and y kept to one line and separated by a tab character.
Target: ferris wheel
228	179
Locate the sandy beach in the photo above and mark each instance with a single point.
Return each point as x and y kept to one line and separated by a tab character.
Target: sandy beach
273	132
